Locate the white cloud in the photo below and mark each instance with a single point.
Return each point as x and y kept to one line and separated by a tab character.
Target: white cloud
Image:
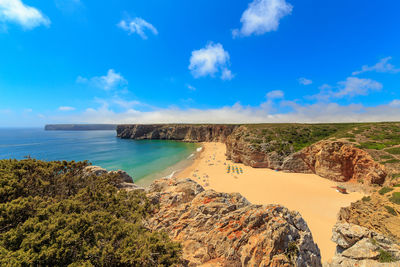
138	26
382	66
111	81
15	11
351	87
191	87
355	86
275	94
227	74
262	16
395	103
305	81
314	113
66	108
209	61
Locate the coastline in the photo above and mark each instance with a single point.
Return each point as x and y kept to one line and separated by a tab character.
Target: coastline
313	196
173	170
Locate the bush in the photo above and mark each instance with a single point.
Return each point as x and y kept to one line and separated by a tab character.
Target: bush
53	215
385	256
395	198
366	199
394	150
391	161
385	190
391	210
372	145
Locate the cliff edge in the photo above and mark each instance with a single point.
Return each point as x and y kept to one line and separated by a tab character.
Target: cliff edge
220	229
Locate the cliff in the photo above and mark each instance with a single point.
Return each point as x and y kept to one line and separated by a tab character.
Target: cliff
180	132
220	229
289	147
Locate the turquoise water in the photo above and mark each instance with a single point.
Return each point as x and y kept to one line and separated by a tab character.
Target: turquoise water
103	148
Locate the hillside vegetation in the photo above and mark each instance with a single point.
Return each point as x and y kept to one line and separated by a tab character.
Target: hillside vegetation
53	214
381	140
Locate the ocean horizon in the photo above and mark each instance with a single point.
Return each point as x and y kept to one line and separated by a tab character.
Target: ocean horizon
141	159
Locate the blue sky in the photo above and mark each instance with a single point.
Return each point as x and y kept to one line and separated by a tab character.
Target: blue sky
82	61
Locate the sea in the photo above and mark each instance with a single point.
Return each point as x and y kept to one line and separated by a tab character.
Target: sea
144	160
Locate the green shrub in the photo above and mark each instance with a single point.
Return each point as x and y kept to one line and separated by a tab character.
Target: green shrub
385	256
392	161
395	198
394	150
391	210
386	157
385	190
51	214
372	145
366	199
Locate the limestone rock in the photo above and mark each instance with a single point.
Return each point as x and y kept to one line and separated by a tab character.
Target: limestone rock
127	183
220	229
182	132
360	246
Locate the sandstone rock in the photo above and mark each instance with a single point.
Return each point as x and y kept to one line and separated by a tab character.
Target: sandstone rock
220	229
336	161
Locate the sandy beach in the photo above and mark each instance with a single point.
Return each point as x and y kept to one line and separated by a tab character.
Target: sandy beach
309	194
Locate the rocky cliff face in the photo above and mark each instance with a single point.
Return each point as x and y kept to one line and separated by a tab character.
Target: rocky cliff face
219	229
336	161
181	132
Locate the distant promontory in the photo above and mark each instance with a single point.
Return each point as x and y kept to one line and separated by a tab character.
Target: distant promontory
80	127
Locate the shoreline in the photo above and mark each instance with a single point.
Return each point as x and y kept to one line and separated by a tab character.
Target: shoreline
172	170
312	196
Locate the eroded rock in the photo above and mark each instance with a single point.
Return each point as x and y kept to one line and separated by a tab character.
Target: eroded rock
220	229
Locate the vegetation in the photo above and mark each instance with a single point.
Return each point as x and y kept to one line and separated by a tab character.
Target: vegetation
385	256
395	198
51	214
288	138
385	190
394	150
366	199
391	210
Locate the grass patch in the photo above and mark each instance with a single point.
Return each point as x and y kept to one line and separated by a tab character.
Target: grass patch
391	210
372	145
395	198
391	161
385	256
351	140
385	190
366	199
386	157
394	150
396	185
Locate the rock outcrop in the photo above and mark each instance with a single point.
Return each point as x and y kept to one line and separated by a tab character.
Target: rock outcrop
336	161
359	246
220	229
127	180
181	132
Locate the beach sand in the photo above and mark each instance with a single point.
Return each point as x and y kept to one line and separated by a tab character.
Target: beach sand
309	194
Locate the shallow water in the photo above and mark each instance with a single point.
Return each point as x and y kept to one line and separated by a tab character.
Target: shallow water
139	158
